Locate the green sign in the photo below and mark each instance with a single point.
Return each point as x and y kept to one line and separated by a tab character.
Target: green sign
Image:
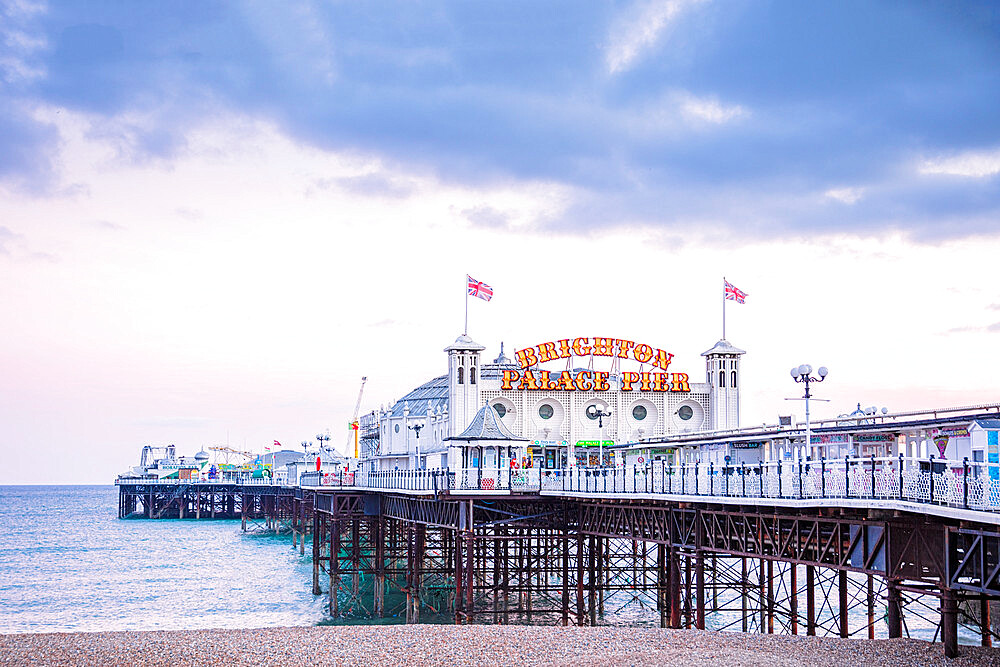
593	443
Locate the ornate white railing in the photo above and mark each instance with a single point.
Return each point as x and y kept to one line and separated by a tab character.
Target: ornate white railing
248	481
962	484
935	481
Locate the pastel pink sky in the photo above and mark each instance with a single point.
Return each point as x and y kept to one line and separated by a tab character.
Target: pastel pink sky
241	289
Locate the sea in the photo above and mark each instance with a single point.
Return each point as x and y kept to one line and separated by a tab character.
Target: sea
69	564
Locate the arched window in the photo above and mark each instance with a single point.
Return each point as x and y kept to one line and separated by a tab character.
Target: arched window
461	375
733	384
722	379
472	375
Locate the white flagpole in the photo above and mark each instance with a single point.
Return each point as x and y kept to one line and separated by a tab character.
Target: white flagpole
467	304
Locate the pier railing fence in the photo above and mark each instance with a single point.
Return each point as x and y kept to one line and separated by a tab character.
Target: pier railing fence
961	484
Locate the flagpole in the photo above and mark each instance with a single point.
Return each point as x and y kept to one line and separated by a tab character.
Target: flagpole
466	304
723	308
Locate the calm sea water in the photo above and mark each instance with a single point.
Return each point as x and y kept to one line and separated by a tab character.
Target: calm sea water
68	563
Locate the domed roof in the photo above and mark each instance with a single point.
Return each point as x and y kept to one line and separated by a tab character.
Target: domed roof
723	347
486	425
464	342
201	456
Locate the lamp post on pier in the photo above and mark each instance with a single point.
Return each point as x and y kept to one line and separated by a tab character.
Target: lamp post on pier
598	413
415	427
803	374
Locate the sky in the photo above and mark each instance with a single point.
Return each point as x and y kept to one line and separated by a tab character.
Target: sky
215	218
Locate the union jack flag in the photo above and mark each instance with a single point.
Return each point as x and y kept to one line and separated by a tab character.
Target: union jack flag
480	289
733	293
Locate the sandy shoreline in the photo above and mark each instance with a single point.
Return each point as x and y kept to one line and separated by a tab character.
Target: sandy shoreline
469	645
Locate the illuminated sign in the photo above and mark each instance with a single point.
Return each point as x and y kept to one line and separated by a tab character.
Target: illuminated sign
535	379
593	443
601	347
541	380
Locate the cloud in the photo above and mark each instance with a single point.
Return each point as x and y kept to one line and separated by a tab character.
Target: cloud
486	216
709	110
990	328
6	237
845	195
972	164
640	28
20	42
373	184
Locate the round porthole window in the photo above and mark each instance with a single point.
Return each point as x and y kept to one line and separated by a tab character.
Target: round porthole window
545	411
685	412
501	409
639	413
397	428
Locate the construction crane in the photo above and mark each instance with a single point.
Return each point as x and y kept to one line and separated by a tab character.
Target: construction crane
354	426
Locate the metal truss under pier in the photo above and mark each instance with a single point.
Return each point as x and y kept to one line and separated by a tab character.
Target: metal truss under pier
842	571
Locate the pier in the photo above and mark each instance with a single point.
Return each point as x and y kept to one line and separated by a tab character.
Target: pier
846	548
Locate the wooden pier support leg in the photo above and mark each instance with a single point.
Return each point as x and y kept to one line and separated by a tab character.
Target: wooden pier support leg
662	585
984	621
743	593
197	504
674	572
211	502
793	600
811	600
355	558
844	612
592	584
762	595
565	578
410	560
243	512
580	609
715	583
531	545
871	607
949	622
688	611
334	566
470	599
894	609
699	590
459	579
770	597
302	526
418	567
378	589
315	545
602	573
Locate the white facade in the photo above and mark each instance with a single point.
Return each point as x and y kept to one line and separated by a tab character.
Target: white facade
554	421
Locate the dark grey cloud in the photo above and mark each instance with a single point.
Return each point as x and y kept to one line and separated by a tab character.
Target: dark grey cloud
484	92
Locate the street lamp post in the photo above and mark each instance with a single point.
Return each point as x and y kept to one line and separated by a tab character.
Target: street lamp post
415	427
598	413
803	374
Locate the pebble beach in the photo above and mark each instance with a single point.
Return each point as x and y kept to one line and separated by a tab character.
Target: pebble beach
413	645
